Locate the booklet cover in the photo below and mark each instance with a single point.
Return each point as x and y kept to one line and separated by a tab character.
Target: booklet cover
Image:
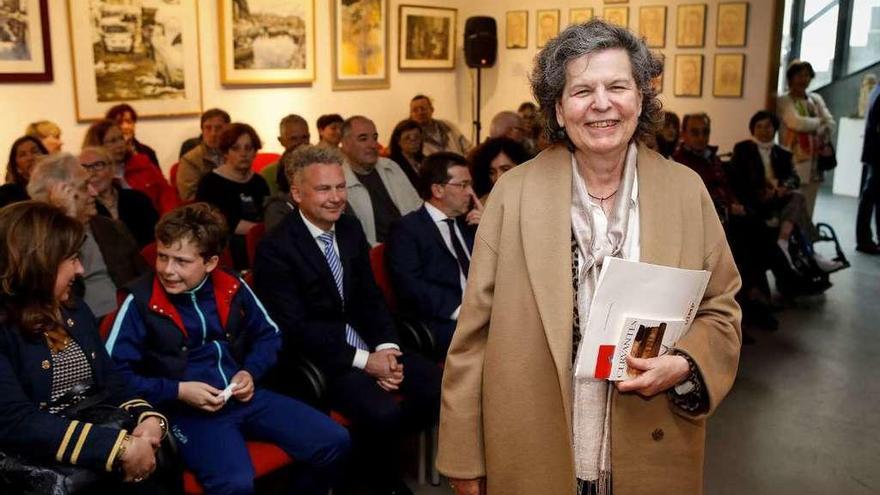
636	307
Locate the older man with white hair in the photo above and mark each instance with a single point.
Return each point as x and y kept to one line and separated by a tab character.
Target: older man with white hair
109	253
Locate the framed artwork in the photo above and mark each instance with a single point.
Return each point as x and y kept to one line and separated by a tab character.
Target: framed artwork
616	1
733	21
267	42
145	56
516	32
548	26
688	75
657	82
616	15
691	26
359	44
728	75
426	38
25	47
579	16
652	25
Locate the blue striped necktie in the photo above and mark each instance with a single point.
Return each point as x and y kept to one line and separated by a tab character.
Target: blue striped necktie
351	335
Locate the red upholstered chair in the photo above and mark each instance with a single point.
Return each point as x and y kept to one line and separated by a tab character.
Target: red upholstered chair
265	457
262	160
172	174
380	273
252	239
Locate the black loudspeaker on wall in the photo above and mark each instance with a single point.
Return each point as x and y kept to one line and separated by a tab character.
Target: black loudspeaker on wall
480	41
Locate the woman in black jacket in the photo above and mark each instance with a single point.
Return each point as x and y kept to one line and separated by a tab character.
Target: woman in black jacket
49	347
22	156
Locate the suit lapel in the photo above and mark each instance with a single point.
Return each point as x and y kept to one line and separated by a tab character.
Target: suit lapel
434	230
660	218
308	247
546	239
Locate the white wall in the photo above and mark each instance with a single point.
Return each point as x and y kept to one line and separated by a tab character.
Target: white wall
505	86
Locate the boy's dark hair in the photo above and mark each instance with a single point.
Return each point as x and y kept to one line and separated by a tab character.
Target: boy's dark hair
199	223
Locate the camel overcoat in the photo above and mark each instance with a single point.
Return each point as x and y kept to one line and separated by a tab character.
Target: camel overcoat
507	393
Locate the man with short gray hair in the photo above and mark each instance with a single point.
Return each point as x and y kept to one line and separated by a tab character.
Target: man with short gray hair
293	132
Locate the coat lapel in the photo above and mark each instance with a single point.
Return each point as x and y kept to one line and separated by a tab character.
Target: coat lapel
308	247
546	239
434	230
660	229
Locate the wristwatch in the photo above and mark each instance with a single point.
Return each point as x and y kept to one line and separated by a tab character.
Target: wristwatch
686	386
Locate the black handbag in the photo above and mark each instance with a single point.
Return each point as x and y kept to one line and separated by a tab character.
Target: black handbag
827	158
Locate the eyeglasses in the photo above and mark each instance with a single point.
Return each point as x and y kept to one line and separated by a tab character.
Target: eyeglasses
462	185
97	166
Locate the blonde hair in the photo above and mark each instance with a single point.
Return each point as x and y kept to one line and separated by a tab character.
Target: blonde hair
42	128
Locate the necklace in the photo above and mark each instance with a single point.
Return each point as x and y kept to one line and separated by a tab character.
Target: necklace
602	200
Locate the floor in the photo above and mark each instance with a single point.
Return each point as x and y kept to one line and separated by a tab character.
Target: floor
804	415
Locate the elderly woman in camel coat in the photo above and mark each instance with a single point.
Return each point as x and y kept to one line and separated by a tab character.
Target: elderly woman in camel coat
514	419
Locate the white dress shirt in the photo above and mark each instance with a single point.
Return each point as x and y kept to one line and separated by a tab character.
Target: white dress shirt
439	219
360	355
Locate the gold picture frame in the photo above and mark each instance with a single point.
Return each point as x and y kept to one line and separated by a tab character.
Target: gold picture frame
151	62
359	44
579	15
267	45
657	82
616	15
546	26
516	29
426	38
652	25
27	50
688	75
732	25
728	74
616	1
690	25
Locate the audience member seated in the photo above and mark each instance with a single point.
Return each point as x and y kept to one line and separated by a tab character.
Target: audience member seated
437	135
490	160
47	132
668	136
126	118
53	361
428	253
764	179
235	189
378	190
406	149
528	111
313	274
24	153
109	254
132	208
134	170
192	331
292	132
330	130
201	159
280	204
511	125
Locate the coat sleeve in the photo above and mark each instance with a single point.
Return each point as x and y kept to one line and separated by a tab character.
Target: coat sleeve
793	120
461	451
125	346
26	428
263	335
187	177
715	337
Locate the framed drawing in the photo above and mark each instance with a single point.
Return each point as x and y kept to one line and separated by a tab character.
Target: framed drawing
359	43
267	42
688	75
691	26
657	82
652	25
548	26
426	38
728	75
733	21
579	16
25	48
145	56
516	32
616	15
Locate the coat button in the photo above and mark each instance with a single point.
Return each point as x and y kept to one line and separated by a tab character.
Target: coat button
657	434
183	348
46	364
70	322
93	355
228	336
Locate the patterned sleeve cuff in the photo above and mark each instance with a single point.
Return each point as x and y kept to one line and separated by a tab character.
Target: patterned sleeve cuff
694	401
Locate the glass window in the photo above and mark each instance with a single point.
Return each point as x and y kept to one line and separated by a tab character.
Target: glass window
817	45
812	7
785	49
864	37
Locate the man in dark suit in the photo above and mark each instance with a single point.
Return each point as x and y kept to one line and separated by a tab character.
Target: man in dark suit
429	250
313	274
869	199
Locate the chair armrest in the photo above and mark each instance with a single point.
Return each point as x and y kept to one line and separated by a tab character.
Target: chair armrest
416	336
298	377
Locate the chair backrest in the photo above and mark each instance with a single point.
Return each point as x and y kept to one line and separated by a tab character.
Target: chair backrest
380	273
150	253
262	160
172	174
252	239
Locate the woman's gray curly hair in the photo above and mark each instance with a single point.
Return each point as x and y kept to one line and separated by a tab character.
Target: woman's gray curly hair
548	76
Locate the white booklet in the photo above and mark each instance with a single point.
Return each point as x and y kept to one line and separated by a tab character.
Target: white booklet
639	309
